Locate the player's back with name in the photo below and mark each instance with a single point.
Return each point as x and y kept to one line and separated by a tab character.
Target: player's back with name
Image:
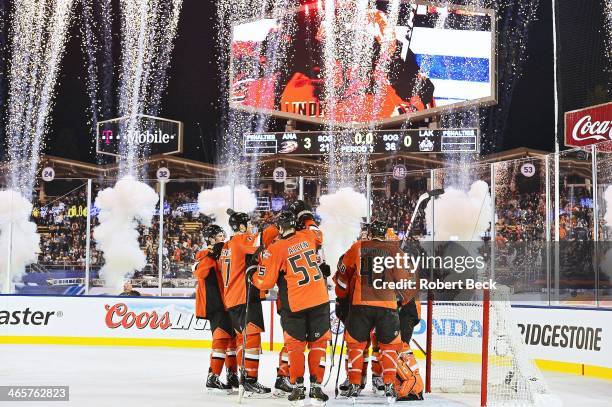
292	263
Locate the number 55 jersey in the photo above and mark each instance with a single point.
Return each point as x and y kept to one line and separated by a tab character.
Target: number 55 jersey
291	263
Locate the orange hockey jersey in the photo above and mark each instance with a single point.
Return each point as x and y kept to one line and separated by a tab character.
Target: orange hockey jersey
233	267
291	263
209	291
357	279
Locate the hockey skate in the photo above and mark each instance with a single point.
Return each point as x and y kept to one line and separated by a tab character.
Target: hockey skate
215	385
252	387
317	397
378	386
353	391
346	386
232	379
298	394
282	387
390	393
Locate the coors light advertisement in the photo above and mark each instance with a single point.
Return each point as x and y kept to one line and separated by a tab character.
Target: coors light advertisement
589	125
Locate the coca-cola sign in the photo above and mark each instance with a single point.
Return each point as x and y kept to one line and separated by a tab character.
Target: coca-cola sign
588	126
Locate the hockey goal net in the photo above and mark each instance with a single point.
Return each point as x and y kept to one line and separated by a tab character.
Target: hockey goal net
475	347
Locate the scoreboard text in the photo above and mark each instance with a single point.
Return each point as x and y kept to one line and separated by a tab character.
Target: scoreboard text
370	142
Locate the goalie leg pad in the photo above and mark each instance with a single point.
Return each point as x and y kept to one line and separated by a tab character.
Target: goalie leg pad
388	360
410	383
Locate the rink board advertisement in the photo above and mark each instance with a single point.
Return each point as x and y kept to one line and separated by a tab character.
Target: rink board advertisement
570	335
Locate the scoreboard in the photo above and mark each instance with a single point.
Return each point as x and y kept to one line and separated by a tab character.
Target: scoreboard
364	141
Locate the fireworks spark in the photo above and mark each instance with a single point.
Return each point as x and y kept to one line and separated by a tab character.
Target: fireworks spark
38	31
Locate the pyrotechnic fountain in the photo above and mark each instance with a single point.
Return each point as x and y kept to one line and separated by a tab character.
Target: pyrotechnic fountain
608	30
148	29
38	36
236	124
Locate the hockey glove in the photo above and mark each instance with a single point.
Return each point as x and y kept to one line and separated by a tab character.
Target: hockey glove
325	269
215	252
342	308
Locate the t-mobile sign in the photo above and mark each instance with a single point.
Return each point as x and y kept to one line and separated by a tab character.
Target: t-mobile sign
589	125
153	135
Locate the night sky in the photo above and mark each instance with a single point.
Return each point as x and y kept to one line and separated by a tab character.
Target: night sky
193	93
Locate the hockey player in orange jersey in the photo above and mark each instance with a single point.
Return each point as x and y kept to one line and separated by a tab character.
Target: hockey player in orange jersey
305	219
209	305
237	254
372	307
291	263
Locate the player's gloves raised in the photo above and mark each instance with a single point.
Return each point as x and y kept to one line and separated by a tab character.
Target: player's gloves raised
215	252
325	269
342	308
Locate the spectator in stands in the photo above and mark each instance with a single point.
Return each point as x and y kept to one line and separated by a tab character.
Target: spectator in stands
129	291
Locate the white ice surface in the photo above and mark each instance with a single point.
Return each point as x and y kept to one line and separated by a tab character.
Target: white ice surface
132	376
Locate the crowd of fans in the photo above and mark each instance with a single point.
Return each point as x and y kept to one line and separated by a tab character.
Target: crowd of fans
62	225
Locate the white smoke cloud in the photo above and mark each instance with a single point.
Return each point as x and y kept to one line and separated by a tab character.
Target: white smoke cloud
460	215
15	211
341	216
122	207
214	203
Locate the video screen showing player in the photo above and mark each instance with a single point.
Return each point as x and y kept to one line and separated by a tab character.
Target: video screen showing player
408	63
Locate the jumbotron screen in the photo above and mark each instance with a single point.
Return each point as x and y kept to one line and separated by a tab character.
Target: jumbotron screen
414	63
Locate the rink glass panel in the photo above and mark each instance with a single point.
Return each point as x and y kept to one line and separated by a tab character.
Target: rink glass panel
183	226
580	284
394	197
574	283
521	248
461	175
60	214
603	160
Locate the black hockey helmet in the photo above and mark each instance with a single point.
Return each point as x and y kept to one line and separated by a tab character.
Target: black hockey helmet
296	207
211	231
286	220
378	229
236	219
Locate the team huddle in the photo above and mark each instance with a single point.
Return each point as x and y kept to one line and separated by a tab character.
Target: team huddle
234	276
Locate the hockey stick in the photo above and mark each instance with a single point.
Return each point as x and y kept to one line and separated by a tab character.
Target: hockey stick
336	391
244	339
333	353
419	346
424	197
